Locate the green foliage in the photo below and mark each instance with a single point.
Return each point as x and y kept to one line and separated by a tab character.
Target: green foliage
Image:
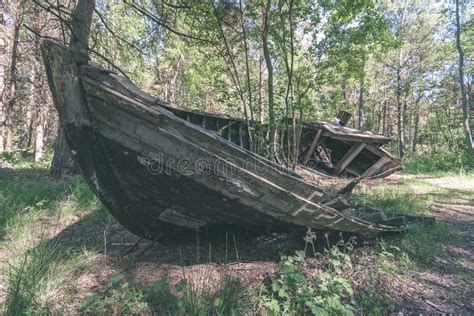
394	198
373	305
425	244
119	297
229	298
443	160
24	161
23	198
292	292
9	157
36	278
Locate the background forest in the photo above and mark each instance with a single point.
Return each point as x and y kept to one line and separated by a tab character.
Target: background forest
394	66
403	69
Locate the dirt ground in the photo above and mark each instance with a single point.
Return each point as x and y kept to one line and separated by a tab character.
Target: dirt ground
449	288
252	257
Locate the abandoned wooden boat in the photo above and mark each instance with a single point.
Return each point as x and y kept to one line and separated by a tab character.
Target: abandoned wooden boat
157	173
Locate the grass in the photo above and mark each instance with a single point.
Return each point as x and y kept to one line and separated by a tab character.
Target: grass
416	197
119	297
34	207
22	200
229	297
394	198
40	260
39	278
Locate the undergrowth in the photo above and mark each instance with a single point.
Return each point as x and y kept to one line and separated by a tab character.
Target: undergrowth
440	162
394	198
39	278
230	297
294	292
337	279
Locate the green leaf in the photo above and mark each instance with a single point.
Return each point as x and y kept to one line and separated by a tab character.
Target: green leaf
161	287
89	301
181	285
114	280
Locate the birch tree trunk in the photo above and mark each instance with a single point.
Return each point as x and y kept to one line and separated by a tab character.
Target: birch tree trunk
9	91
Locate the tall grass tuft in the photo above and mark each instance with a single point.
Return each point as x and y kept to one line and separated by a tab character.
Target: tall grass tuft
31	275
393	198
230	297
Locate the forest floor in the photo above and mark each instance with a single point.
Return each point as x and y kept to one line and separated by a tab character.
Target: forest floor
61	252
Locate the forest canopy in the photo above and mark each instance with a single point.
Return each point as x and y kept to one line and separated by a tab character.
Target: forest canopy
396	66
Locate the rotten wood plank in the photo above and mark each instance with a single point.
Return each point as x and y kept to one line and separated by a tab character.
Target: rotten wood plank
348	157
241	139
375	167
356	137
312	147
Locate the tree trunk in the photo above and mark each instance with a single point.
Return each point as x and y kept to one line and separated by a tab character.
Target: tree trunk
400	116
360	122
268	62
400	107
464	103
81	22
9	92
344	96
37	104
383	110
261	117
28	129
384	117
3	63
416	131
405	116
62	161
39	142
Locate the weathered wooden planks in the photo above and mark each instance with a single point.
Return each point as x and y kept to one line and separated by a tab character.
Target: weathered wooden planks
348	157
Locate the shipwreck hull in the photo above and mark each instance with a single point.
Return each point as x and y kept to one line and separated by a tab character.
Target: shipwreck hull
157	173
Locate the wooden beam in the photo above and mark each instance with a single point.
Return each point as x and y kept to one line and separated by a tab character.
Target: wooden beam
376	166
312	147
356	138
241	138
218	125
353	171
348	157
